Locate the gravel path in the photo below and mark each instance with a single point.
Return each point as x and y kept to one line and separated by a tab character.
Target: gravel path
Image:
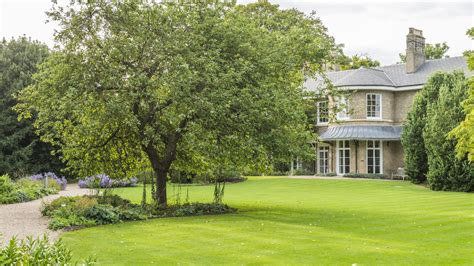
24	219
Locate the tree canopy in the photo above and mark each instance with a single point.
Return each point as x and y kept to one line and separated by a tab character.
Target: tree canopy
429	152
357	61
21	151
464	132
415	156
445	171
432	51
196	85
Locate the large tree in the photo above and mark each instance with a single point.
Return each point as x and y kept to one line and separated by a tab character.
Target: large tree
432	51
464	132
136	83
415	156
21	151
445	171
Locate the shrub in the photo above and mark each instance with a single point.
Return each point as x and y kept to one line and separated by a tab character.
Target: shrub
60	202
22	190
132	214
114	200
82	204
193	209
102	214
328	174
104	181
39	251
371	176
70	212
303	172
59	222
90	210
6	185
225	175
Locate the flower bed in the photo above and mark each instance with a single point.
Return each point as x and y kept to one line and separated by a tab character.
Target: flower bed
24	189
77	212
104	181
52	177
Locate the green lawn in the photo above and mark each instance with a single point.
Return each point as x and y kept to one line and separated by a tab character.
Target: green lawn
295	221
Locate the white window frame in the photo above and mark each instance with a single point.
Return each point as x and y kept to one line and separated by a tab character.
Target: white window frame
326	150
343	114
296	164
380	148
344	148
318	121
367	106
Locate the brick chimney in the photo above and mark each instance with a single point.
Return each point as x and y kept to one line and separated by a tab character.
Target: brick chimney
415	53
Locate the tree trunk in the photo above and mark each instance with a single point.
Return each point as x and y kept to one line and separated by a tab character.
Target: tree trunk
161	176
161	165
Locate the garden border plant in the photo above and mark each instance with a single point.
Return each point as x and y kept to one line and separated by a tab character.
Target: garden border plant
25	189
38	251
70	213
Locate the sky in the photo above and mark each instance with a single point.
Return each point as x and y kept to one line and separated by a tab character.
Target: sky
375	28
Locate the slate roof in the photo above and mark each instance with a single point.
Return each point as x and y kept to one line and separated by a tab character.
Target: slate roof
391	76
362	133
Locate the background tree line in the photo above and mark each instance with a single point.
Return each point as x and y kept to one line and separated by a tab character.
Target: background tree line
21	151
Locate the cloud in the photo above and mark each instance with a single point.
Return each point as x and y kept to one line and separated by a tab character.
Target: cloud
374	27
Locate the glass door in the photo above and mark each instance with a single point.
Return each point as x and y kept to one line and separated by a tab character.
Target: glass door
343	157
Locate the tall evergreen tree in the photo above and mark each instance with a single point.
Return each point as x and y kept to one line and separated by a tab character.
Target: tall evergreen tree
21	152
416	161
445	171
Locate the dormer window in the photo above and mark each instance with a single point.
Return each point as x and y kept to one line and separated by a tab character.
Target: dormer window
344	109
323	113
374	106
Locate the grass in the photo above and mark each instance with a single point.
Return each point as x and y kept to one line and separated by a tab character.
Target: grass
296	221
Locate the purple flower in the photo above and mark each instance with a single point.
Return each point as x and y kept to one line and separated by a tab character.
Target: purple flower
104	181
83	183
60	180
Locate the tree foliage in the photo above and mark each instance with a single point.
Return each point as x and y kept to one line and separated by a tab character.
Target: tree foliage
432	51
445	171
21	152
357	61
194	85
464	132
416	161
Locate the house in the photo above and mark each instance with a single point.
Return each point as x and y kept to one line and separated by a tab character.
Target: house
365	137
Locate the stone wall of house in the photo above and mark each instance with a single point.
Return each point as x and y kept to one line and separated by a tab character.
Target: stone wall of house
403	102
395	107
392	157
358	105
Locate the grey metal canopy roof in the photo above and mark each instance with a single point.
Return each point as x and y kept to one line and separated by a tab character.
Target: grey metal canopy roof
392	76
362	133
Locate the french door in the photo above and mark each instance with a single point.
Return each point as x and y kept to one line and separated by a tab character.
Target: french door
343	157
374	157
323	159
